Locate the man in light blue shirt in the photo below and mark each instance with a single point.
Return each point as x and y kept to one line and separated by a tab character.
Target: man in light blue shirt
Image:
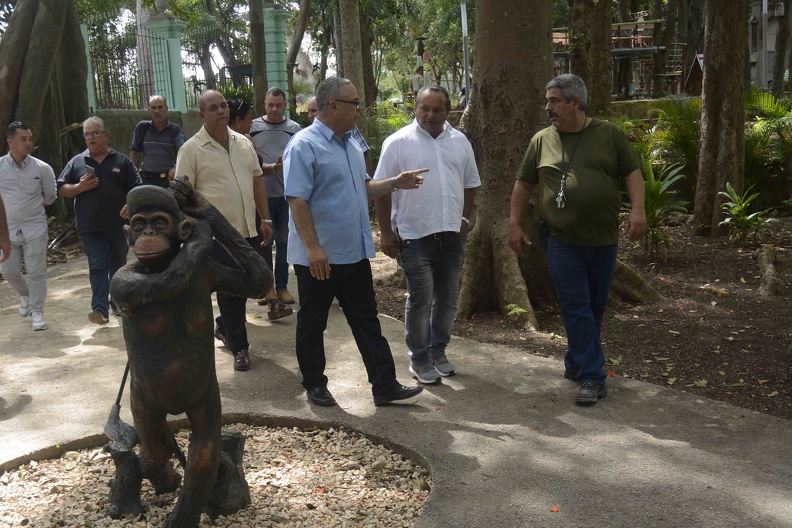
330	242
26	185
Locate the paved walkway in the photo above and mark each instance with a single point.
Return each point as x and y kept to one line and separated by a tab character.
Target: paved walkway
503	440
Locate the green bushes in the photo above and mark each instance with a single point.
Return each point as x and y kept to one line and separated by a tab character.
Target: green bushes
741	222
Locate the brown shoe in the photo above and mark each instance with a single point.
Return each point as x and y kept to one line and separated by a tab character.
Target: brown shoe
97	318
285	296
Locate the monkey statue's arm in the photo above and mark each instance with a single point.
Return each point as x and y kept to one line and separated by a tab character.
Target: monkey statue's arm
134	285
254	280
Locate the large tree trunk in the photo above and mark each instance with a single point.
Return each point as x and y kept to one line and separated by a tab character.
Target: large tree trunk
258	52
43	36
590	50
722	152
13	50
781	48
294	48
510	73
353	60
691	22
339	43
366	40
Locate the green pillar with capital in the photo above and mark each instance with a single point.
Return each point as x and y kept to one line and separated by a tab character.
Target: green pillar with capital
275	18
165	42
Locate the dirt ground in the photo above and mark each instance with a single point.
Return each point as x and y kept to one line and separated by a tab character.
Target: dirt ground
714	334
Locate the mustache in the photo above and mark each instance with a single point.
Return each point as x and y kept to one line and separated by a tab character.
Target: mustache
551	115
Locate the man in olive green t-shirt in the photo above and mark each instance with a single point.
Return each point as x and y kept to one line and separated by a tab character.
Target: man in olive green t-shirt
577	165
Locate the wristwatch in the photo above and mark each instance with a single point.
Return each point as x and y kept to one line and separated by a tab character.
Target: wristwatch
266	221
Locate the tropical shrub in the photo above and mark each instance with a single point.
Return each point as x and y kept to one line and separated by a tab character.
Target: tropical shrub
740	221
661	207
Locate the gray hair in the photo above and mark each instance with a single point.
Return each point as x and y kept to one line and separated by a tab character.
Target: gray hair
571	86
94	120
329	89
433	88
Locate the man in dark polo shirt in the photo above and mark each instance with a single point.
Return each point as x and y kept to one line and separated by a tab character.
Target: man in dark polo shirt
99	179
158	141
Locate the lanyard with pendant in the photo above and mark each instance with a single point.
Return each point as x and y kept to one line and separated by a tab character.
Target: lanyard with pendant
561	197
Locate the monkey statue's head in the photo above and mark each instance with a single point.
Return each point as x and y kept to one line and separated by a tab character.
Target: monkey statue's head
156	227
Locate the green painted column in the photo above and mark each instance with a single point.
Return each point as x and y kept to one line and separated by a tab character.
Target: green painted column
165	43
275	18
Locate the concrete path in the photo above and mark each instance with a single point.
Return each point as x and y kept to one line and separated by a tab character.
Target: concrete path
503	440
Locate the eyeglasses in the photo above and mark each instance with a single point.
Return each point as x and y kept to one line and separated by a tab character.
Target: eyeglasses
93	134
356	103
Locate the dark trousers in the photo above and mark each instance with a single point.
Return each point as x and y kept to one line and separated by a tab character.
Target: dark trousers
231	322
352	285
582	278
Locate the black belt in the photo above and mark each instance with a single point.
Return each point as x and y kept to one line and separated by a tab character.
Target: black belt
153	175
441	234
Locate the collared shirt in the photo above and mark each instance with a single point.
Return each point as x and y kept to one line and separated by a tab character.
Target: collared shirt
331	177
98	209
270	140
225	178
159	147
437	205
25	191
357	135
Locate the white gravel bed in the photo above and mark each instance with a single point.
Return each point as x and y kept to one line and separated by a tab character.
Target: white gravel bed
298	478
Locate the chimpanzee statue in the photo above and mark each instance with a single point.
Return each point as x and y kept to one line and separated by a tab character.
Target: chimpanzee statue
165	299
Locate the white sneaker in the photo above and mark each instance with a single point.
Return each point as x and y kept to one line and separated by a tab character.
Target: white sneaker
38	321
24	306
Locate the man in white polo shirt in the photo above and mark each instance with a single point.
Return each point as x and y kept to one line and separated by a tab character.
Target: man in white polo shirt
426	228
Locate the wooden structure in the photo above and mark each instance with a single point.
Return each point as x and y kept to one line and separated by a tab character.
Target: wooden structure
636	41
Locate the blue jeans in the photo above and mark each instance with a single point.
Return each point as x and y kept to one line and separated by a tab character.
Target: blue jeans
582	278
432	265
106	252
279	214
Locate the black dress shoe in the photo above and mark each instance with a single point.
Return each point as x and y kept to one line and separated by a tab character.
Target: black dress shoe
220	337
396	393
320	396
241	360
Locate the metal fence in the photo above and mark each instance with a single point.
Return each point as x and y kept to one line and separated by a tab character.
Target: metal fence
121	64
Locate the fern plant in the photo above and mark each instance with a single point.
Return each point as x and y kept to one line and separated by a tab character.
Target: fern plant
740	221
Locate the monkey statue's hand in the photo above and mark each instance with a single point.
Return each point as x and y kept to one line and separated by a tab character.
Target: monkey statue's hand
190	201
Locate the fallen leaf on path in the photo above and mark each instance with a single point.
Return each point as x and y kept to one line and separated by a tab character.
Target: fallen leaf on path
555	509
700	383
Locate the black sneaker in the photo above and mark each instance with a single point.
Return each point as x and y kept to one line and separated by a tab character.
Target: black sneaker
220	337
397	393
590	392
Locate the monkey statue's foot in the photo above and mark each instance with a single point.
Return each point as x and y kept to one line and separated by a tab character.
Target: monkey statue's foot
167	481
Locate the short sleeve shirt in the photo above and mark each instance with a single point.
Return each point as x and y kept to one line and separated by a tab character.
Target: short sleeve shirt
97	210
437	205
270	140
159	147
596	160
225	178
331	177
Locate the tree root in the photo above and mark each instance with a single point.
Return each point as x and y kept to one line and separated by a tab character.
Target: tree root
769	283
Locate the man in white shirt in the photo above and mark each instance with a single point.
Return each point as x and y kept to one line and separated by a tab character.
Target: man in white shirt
26	185
426	228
